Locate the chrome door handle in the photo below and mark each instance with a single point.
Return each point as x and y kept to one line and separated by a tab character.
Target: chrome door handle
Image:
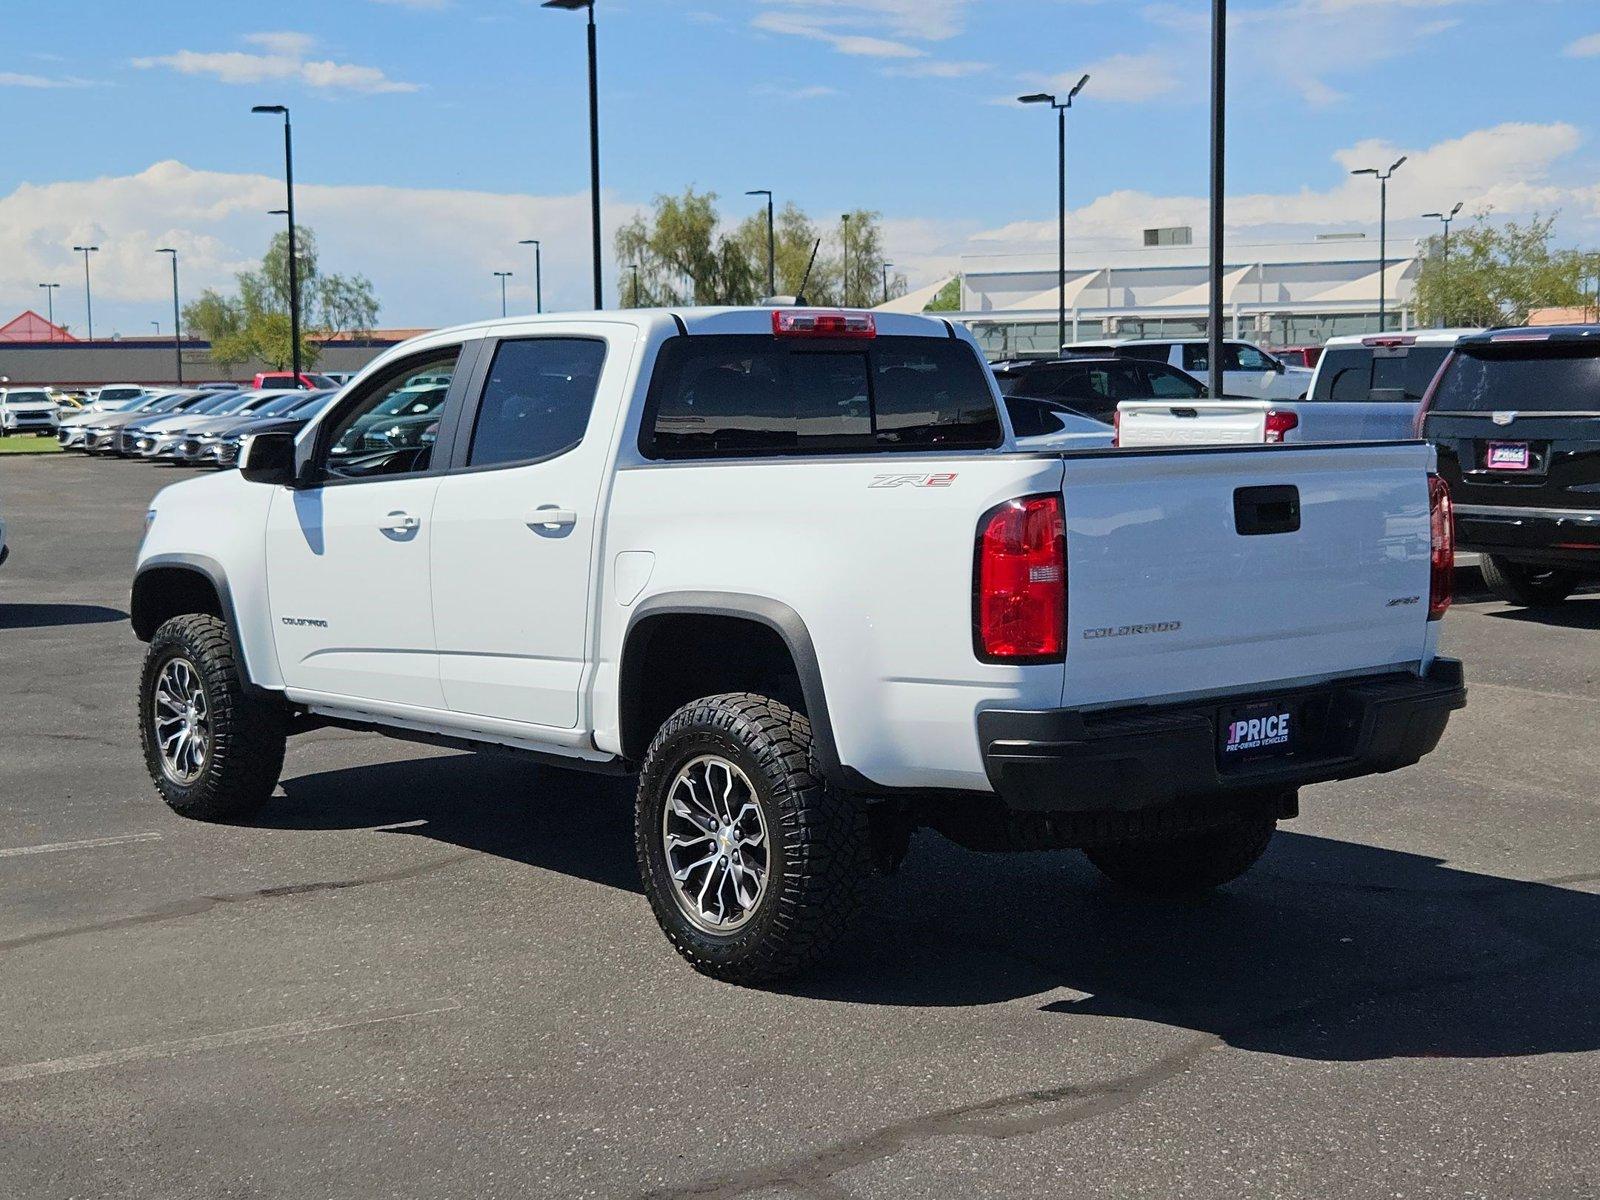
551	517
399	522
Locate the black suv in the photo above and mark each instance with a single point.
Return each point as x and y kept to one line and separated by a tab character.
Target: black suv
1515	414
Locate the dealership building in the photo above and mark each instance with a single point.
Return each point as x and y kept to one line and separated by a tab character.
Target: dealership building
1283	294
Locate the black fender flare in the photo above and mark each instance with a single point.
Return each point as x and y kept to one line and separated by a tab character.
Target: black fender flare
783	621
211	571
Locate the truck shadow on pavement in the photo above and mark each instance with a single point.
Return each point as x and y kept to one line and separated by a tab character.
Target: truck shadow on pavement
1328	950
46	616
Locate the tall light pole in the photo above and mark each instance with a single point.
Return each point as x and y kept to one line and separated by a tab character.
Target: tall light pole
294	257
502	276
1061	107
177	335
50	305
1219	172
1383	232
634	267
1446	218
538	274
88	295
594	139
886	267
772	242
844	239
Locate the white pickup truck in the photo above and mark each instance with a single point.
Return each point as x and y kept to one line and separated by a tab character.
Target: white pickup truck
788	566
1364	389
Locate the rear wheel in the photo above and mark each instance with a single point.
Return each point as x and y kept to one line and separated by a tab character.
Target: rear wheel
1527	585
1196	862
214	748
751	863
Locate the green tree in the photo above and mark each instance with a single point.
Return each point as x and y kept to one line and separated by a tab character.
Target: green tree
948	299
254	324
685	255
1498	273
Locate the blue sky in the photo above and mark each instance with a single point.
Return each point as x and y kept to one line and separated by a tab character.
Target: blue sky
431	134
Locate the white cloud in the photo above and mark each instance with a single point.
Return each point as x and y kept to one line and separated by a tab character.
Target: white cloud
16	79
283	55
1126	78
870	28
1584	47
430	252
936	68
1508	169
418	5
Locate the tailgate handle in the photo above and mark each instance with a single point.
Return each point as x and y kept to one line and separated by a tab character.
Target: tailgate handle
1184	412
1271	509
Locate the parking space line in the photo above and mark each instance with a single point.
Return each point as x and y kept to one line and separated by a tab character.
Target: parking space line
219	1041
83	844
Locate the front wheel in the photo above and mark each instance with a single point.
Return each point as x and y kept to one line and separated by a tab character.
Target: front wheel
1529	586
751	863
213	748
1183	865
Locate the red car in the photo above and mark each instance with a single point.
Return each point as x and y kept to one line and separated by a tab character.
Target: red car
286	380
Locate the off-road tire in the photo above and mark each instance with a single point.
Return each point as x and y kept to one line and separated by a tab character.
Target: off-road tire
820	858
1529	586
247	731
1185	865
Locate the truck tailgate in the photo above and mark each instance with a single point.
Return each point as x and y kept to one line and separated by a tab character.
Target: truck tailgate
1192	423
1195	572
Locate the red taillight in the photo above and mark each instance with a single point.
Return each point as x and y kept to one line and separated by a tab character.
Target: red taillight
1020	601
1280	423
1390	342
1442	527
813	322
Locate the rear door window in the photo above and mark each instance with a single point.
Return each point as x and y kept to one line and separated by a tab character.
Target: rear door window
1152	353
740	395
537	400
1527	378
1169	384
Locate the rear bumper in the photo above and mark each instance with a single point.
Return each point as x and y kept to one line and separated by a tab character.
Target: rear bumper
1067	761
1558	537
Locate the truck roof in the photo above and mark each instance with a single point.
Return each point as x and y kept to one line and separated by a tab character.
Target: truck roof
1411	337
706	320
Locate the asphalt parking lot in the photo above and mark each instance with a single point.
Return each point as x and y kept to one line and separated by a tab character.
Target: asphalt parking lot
429	974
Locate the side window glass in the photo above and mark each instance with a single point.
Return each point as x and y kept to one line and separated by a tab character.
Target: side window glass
1247	358
537	400
1197	358
1169	385
391	427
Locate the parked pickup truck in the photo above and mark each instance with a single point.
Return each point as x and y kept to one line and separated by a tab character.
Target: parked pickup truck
1365	389
787	567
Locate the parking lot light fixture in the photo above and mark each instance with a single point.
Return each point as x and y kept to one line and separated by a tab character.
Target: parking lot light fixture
538	274
502	276
772	242
50	305
88	294
1446	218
594	139
288	212
1061	107
1383	231
177	335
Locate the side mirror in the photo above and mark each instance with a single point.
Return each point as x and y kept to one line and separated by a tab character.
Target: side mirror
1277	365
268	458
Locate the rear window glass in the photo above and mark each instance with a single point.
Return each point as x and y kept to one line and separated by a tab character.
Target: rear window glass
1355	372
1031	418
1542	378
1156	353
755	395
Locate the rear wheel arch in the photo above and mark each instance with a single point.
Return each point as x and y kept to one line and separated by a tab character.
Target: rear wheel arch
686	645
